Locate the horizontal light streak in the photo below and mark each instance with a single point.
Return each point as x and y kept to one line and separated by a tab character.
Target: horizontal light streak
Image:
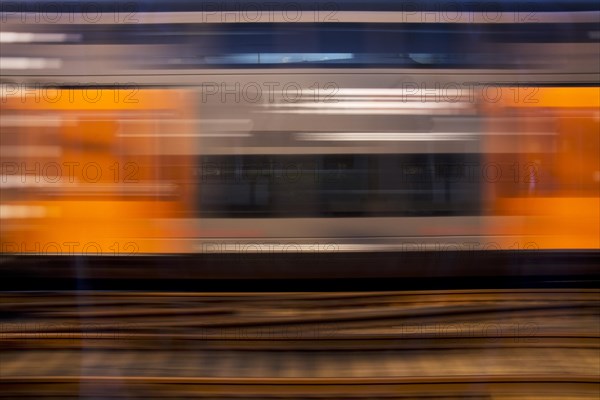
30	151
371	105
28	37
189	135
18	211
29	63
362	111
386	136
30	121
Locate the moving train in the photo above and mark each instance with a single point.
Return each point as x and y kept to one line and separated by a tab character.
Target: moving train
378	134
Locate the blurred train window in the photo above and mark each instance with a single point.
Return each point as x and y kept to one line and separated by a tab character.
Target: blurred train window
338	185
340	45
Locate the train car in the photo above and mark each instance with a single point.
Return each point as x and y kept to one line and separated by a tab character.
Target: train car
352	135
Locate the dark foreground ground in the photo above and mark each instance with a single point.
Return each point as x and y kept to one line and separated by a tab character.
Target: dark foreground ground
361	326
304	271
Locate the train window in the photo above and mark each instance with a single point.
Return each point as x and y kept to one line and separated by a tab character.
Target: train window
338	185
423	44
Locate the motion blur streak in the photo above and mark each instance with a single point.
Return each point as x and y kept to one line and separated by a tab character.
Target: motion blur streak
428	344
238	199
143	131
141	165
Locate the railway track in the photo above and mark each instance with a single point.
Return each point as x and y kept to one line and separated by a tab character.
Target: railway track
474	388
476	344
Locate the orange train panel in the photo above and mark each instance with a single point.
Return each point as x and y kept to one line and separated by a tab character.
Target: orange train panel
107	195
94	99
546	97
560	203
